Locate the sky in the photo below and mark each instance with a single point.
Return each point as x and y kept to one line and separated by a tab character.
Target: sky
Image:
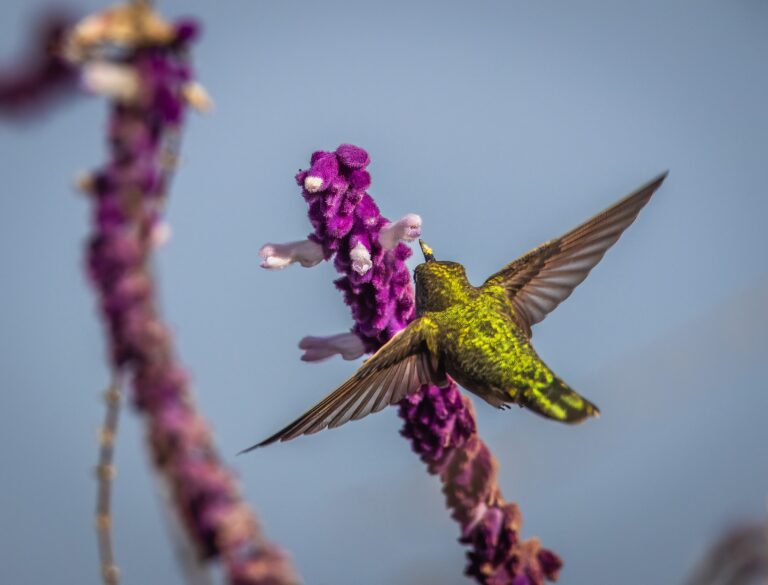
503	124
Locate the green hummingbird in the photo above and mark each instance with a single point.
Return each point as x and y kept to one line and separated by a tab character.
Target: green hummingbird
481	336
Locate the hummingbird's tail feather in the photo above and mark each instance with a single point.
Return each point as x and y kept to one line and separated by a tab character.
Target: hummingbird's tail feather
558	402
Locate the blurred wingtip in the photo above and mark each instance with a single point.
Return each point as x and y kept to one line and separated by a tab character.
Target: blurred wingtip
268	441
659	179
249	449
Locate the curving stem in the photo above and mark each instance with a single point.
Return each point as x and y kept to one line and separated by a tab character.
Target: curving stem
105	475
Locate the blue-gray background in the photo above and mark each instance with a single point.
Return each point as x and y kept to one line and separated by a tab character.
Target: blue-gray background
503	124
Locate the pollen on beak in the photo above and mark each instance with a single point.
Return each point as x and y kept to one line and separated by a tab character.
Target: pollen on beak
427	251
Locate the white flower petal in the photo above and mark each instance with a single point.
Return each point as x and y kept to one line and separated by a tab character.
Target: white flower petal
120	82
361	259
160	234
197	97
313	184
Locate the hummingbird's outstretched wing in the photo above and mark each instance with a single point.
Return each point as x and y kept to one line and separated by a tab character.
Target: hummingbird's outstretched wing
400	367
544	277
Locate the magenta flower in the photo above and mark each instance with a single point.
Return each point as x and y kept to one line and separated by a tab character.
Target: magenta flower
368	251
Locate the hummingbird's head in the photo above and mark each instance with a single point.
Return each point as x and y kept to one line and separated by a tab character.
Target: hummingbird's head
439	284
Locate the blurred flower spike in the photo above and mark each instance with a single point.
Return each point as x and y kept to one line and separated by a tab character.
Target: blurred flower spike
141	63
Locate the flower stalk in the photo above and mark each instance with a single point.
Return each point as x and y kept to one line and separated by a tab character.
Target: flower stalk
105	474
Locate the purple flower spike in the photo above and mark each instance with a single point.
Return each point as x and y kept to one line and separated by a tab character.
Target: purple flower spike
367	250
150	89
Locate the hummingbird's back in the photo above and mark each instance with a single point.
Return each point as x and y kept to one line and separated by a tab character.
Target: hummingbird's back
482	347
485	350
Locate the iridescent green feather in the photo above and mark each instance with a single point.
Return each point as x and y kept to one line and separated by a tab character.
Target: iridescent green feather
485	350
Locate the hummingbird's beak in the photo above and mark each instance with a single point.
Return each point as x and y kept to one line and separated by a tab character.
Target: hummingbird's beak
427	251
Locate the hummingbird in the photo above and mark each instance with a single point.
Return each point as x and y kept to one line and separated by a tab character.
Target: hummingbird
481	336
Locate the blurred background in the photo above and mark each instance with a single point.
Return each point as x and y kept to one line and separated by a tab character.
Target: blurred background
503	124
